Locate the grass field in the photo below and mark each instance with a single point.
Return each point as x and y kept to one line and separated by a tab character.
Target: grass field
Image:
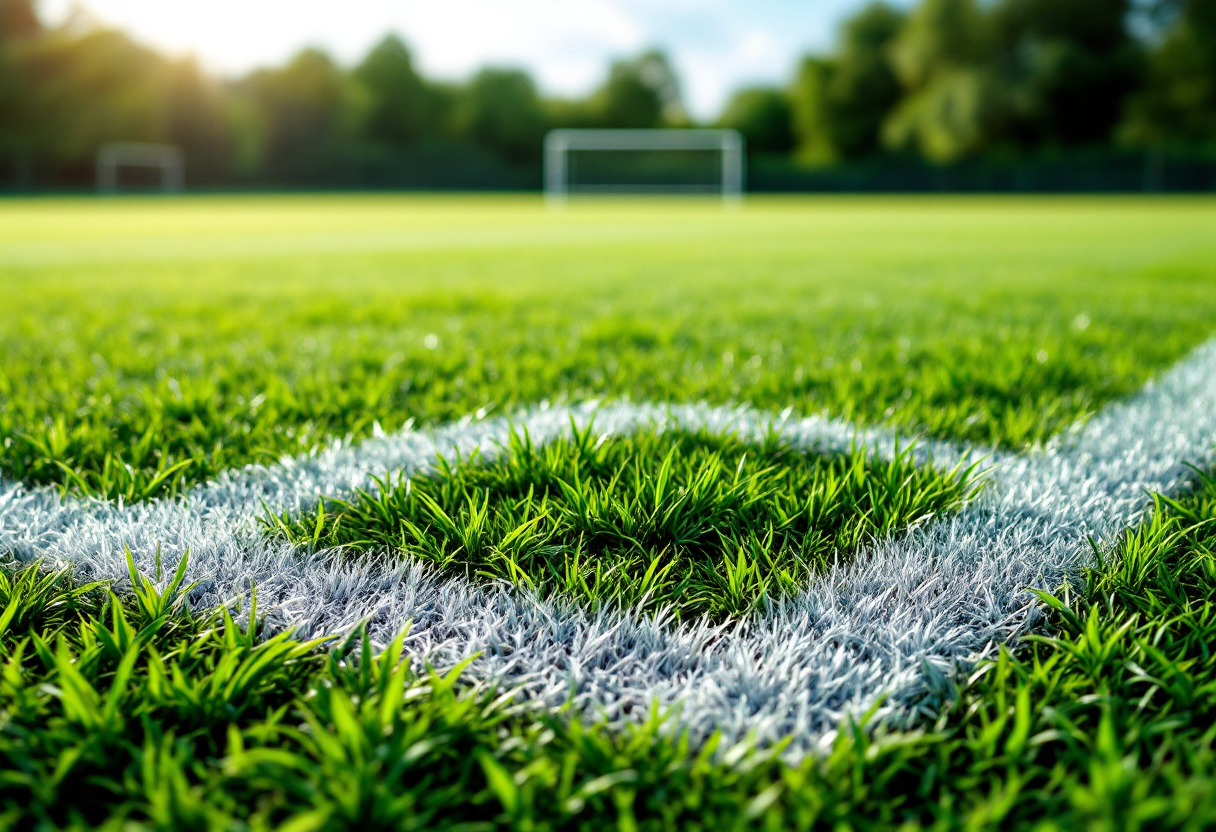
147	346
215	332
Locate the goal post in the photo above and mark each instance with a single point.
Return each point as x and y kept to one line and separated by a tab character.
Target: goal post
695	161
165	158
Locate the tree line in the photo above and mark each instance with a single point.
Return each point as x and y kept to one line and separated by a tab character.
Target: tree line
945	81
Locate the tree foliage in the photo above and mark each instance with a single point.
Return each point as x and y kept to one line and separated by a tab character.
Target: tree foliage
840	102
404	107
764	116
1177	104
502	110
945	80
642	92
961	78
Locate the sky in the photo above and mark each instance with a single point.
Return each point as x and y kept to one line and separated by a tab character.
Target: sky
717	46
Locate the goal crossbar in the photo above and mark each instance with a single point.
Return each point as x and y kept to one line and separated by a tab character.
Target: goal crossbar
560	143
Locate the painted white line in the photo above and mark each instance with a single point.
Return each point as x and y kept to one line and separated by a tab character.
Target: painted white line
904	614
38	523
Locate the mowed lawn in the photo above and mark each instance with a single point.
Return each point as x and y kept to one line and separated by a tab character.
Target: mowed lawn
203	333
149	344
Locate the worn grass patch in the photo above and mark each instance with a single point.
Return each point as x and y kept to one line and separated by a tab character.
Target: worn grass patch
703	523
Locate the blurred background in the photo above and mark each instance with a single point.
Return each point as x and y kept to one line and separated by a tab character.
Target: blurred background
966	95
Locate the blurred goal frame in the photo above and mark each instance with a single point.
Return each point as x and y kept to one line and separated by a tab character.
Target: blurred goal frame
560	143
167	158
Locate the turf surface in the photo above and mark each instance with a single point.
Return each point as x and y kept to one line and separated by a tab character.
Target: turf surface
134	712
697	523
148	344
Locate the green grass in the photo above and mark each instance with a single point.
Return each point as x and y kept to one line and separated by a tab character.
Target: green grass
696	522
133	715
148	344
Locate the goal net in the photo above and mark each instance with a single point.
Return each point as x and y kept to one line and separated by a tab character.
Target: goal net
643	162
146	166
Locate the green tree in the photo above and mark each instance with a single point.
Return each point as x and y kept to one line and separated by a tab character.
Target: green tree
840	102
955	104
19	26
812	113
87	88
309	112
196	118
640	92
402	107
1069	65
502	111
570	112
764	118
65	91
1011	77
1177	104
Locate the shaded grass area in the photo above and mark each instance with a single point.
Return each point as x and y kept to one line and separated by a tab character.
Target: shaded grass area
132	712
145	346
699	522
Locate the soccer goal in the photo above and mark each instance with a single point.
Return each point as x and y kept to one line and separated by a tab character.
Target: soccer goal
643	162
164	161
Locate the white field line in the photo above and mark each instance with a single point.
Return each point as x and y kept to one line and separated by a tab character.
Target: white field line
897	621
